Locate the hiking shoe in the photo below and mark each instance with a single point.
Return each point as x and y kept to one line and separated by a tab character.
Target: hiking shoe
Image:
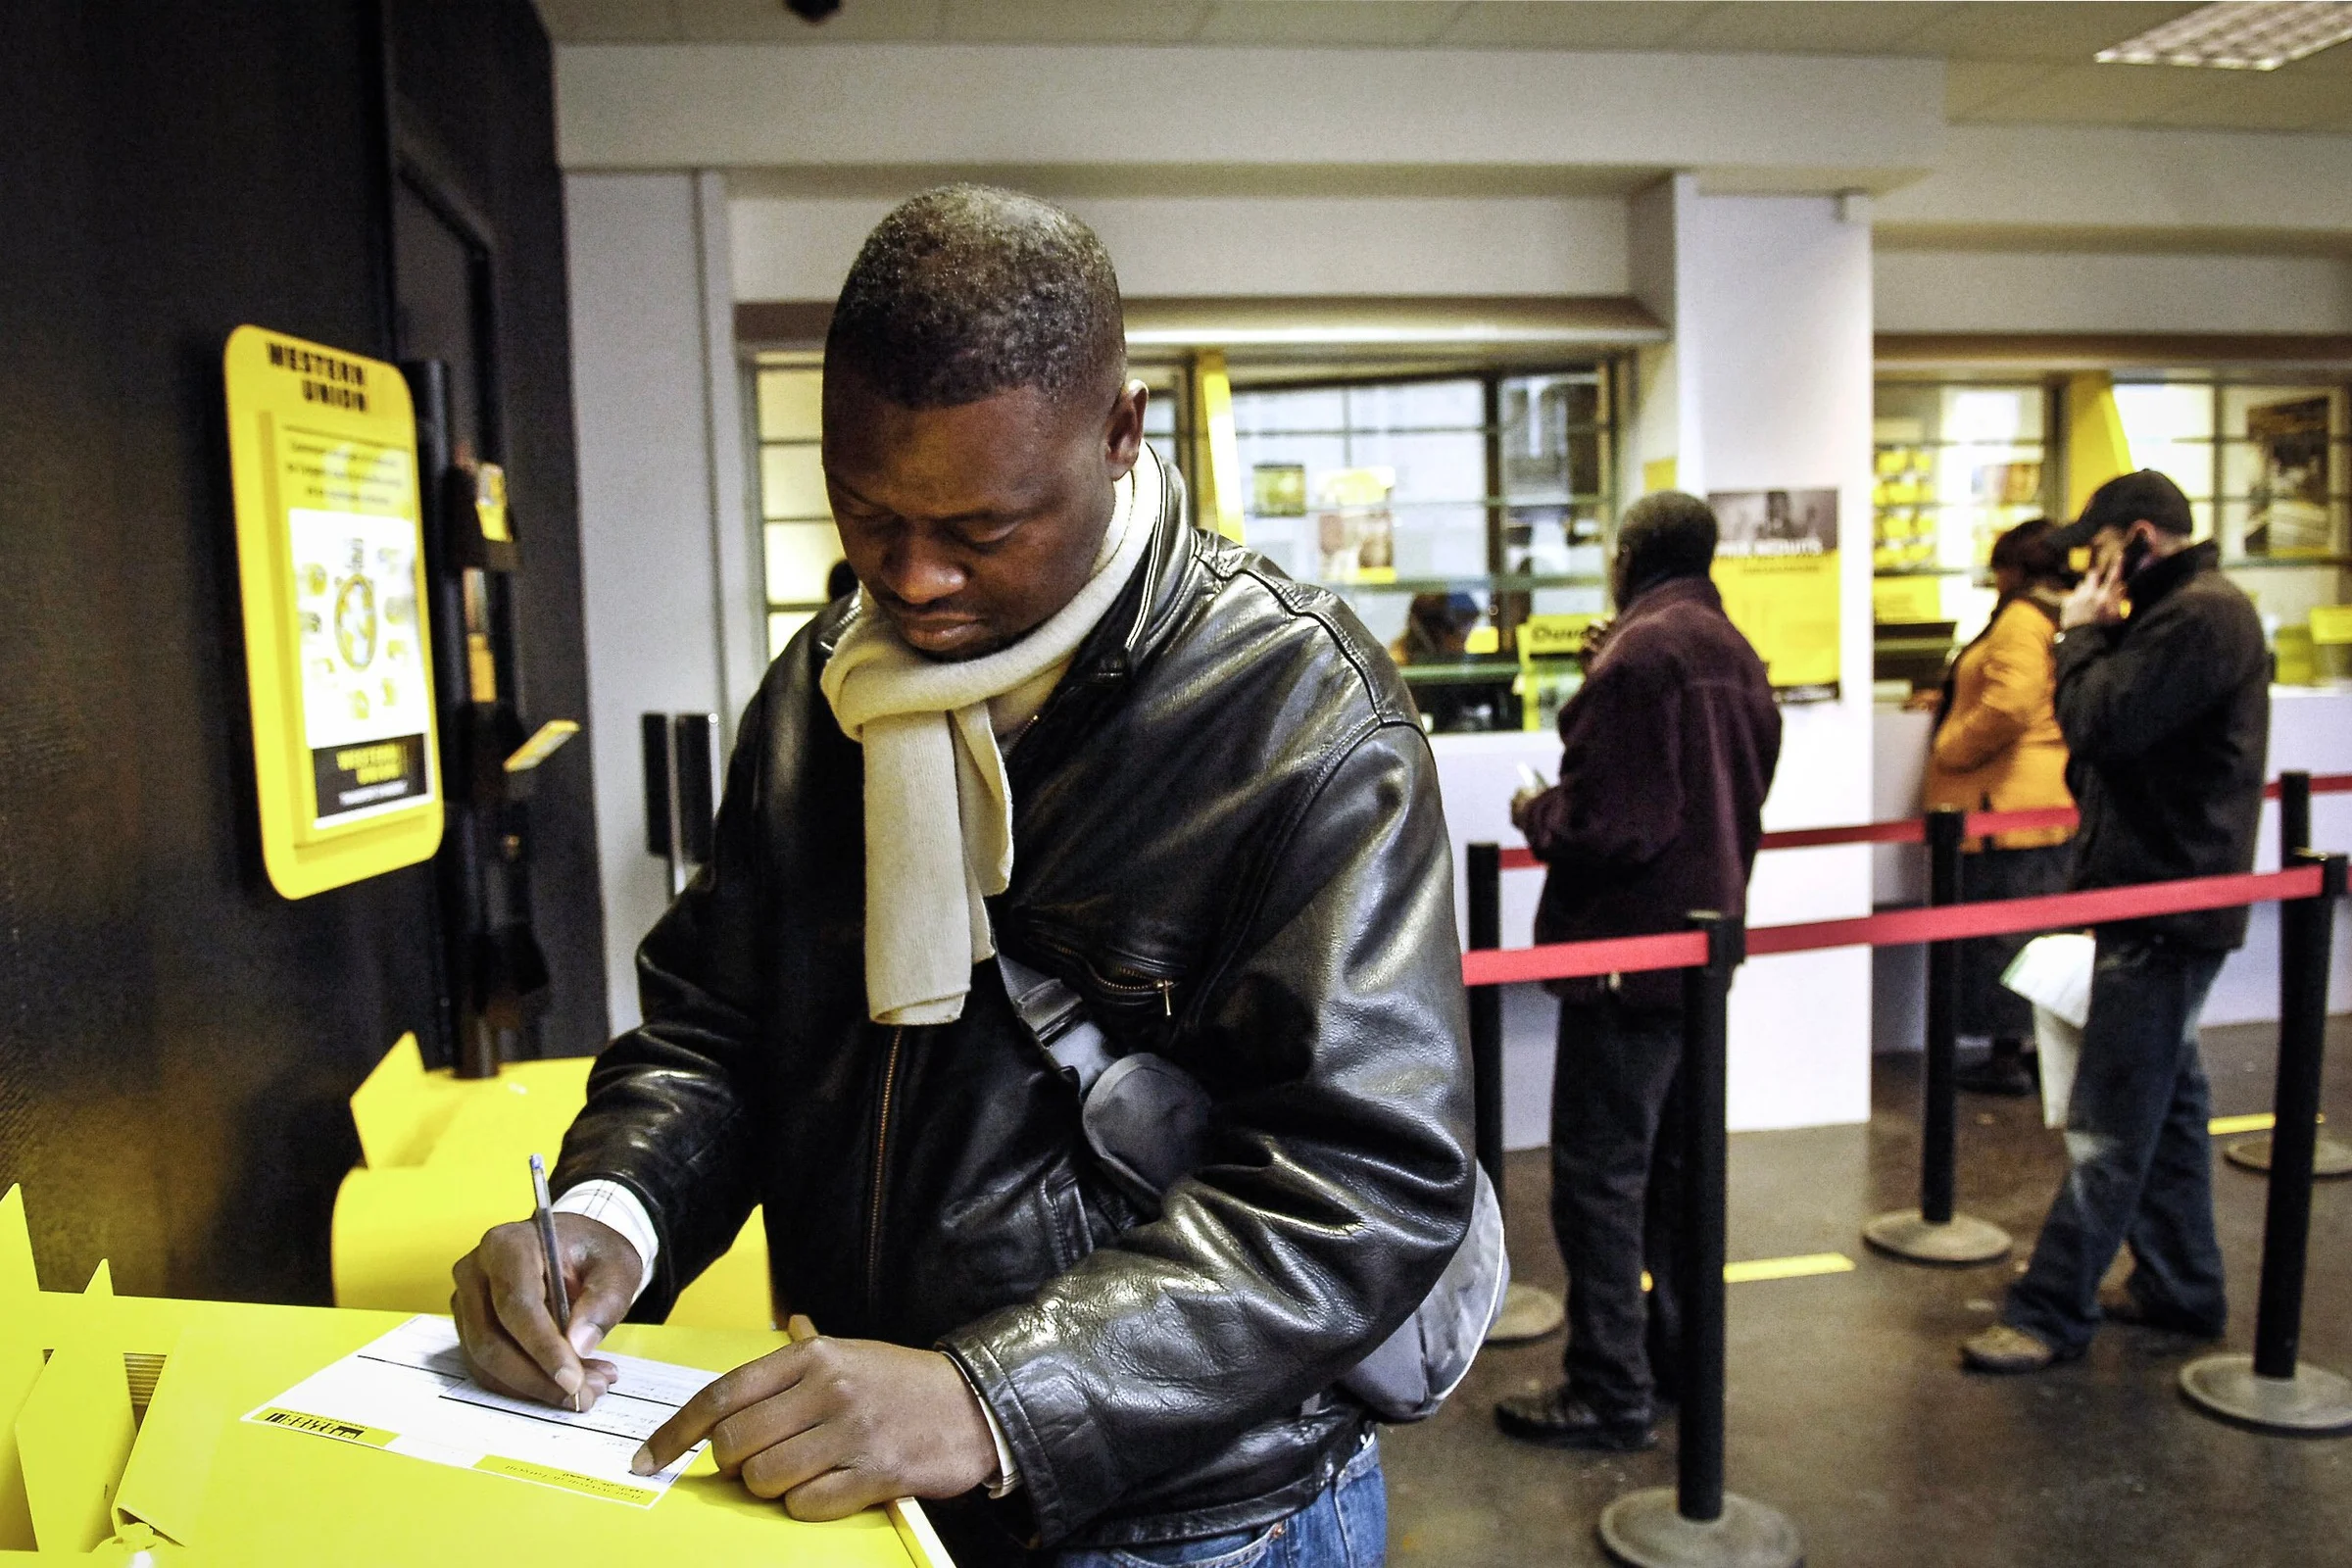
2003	1348
2004	1073
1558	1419
2117	1304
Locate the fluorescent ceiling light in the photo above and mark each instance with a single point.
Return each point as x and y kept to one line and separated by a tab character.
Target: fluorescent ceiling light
2238	35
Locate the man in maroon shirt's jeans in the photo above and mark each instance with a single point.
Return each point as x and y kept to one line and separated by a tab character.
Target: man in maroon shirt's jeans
1669	749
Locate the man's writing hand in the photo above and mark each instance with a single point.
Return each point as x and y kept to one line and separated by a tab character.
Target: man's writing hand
833	1426
509	1336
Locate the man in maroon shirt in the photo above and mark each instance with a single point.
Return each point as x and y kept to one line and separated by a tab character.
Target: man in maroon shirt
1669	749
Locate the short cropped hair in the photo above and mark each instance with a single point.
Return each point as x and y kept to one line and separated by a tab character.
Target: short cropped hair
967	291
1665	534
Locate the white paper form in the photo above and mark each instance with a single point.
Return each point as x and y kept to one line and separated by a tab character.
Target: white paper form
411	1393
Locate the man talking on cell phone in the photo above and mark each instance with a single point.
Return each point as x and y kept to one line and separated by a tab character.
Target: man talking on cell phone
2163	682
1060	725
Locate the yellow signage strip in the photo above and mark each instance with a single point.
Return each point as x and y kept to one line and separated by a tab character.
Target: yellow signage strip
567	1480
1786	1268
320	1426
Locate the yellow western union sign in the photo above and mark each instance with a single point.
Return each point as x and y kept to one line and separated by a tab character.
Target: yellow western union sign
338	651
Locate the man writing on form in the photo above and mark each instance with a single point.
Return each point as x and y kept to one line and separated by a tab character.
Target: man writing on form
1058	723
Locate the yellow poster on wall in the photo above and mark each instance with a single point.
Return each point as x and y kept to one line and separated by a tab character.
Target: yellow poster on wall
1775	566
330	562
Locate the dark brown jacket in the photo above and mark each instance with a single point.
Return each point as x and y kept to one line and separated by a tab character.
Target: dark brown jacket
2168	721
1668	752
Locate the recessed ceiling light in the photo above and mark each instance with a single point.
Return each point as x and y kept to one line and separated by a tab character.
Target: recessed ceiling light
2238	35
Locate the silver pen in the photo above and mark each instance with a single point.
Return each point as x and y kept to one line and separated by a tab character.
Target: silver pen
559	1299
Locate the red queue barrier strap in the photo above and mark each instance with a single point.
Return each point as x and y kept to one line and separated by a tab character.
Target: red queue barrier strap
1568	960
1678	949
1914	831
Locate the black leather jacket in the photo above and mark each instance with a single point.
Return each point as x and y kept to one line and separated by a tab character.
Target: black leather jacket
1228	841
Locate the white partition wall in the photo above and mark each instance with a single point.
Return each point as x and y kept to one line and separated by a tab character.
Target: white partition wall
666	545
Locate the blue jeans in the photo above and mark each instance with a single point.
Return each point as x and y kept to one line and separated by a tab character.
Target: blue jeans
2142	1172
1346	1527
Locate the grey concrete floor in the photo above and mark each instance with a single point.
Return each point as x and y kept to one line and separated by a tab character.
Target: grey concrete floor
1846	1406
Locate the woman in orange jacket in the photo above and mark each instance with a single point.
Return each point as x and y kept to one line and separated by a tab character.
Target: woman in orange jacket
1997	749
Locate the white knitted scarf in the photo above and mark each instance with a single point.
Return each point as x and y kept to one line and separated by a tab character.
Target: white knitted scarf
938	809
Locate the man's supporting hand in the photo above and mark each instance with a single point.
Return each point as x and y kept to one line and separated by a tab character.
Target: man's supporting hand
2097	599
833	1426
509	1336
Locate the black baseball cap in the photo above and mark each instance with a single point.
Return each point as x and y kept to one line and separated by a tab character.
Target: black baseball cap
2125	500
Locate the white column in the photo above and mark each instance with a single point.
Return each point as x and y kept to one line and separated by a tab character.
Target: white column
668	561
1772	317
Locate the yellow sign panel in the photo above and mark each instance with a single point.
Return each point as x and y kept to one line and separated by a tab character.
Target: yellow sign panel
1775	566
1560	636
330	560
2331	624
1906	601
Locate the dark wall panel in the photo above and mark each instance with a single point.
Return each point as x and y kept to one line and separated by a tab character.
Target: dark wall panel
176	1041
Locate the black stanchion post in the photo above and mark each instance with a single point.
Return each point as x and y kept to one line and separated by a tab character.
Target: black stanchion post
1528	1313
1696	1523
1484	874
2329	1157
1933	1233
2270	1390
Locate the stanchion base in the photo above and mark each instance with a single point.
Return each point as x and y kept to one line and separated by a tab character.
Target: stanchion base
1528	1313
2328	1158
2313	1402
1958	1241
1646	1529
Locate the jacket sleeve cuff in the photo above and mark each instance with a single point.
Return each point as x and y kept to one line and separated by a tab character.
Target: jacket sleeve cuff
1060	1497
1007	1478
609	1203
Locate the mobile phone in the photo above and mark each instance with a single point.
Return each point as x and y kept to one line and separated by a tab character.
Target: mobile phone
2135	556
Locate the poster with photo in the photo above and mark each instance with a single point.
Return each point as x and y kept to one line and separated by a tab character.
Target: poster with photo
1775	566
2287	513
366	705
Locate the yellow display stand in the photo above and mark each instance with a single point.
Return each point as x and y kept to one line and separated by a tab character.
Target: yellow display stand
446	1161
200	1485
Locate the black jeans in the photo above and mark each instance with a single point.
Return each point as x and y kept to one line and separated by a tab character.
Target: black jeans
1987	1007
1616	1187
2142	1172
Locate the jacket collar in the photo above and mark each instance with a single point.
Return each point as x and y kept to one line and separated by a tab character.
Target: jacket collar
1692	589
2158	579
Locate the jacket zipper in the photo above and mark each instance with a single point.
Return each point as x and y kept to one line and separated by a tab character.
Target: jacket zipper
873	1226
1125	989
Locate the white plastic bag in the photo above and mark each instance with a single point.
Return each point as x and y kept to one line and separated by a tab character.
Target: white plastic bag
2053	973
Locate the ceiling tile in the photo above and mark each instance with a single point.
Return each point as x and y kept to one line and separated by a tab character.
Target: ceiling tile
1828	27
609	20
2269	100
1600	24
1327	21
1971	85
2064	34
767	21
1100	22
2100	95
